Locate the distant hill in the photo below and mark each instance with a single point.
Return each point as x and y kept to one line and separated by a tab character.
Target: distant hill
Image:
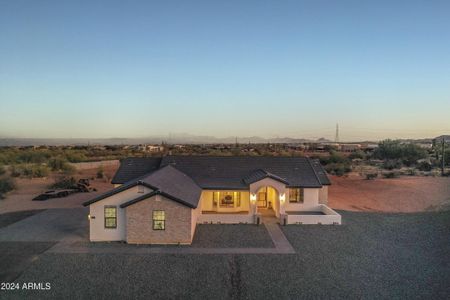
172	139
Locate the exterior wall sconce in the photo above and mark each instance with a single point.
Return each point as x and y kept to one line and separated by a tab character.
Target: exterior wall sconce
253	198
282	198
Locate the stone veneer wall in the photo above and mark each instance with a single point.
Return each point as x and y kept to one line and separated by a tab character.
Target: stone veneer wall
140	222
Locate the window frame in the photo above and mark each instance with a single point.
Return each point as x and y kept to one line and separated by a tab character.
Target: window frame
299	195
108	218
156	220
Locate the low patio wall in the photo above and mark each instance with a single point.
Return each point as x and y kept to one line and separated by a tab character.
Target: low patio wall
225	218
330	217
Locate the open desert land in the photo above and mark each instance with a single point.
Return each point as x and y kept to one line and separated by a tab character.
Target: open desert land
405	194
21	198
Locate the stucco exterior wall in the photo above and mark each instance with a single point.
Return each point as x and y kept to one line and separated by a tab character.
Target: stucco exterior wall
178	223
310	201
323	195
97	230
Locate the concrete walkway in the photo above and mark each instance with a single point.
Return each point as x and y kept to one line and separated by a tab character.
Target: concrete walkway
279	239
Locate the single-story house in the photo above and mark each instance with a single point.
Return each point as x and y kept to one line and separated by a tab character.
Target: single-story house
160	200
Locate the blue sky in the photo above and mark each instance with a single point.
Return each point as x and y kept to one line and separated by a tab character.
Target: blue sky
224	68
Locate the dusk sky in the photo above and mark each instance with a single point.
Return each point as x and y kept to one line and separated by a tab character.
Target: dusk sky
98	69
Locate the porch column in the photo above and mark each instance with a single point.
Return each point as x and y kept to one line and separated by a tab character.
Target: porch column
282	199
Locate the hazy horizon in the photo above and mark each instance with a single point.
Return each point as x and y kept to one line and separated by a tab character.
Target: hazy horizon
102	69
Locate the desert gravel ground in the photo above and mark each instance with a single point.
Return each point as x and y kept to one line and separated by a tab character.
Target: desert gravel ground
404	194
232	236
370	256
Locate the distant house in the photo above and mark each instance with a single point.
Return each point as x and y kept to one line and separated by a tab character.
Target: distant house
161	200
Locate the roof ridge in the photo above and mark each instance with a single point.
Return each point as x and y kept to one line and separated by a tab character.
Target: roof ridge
314	171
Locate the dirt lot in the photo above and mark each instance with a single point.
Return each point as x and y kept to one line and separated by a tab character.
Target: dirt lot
405	194
21	198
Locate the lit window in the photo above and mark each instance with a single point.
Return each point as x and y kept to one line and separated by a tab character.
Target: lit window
110	217
159	220
140	188
229	199
296	195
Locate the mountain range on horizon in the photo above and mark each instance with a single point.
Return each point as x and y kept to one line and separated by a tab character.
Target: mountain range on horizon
171	139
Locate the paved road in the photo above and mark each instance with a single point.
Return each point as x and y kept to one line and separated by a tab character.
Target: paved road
68	224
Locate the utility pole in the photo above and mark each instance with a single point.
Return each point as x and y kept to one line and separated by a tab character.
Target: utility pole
443	157
336	138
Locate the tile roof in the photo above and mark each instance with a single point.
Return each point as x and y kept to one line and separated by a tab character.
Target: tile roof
166	181
134	167
261	174
229	172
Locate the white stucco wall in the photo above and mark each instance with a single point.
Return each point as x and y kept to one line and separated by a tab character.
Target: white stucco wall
310	201
323	195
97	231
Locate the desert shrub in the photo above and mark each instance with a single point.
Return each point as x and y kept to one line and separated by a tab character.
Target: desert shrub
390	175
64	183
424	166
61	164
371	176
57	163
6	184
30	170
395	150
15	172
338	169
357	155
391	164
100	172
40	171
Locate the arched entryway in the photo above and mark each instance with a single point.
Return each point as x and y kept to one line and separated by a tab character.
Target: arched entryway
267	201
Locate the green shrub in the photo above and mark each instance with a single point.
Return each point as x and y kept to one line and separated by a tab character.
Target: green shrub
338	169
6	184
371	176
357	155
391	164
424	166
390	175
40	171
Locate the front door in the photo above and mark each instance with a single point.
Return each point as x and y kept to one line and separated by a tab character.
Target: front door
262	199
